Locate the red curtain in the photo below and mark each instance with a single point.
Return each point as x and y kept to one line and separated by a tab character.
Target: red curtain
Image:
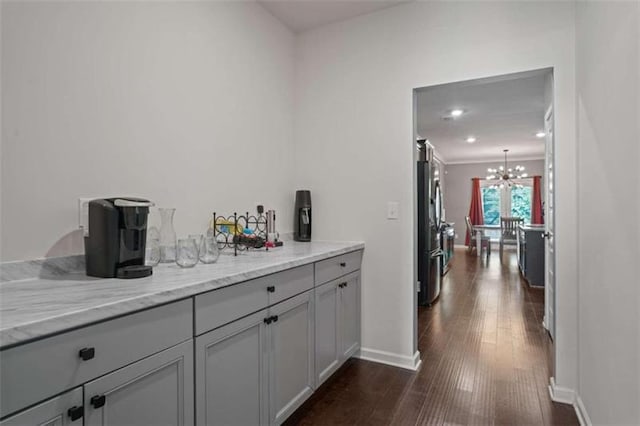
536	202
475	209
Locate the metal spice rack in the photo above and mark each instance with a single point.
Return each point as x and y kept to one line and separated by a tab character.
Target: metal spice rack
228	232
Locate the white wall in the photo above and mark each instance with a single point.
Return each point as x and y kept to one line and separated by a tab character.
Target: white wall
187	103
608	69
457	192
354	140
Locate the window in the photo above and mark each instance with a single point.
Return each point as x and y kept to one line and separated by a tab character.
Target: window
491	205
512	201
521	202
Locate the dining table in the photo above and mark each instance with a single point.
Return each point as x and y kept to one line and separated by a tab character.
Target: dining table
479	230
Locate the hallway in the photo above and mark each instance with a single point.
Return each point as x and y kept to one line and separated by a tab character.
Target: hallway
486	360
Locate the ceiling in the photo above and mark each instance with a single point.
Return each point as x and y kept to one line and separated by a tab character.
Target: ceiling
303	15
501	113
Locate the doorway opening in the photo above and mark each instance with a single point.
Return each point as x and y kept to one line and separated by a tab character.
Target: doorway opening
484	182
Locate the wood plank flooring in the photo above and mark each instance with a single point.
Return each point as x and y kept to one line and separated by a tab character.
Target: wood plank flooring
486	360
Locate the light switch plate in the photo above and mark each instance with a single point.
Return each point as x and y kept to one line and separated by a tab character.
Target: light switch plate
392	210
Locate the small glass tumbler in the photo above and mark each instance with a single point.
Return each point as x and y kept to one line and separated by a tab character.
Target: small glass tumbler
198	240
209	251
187	253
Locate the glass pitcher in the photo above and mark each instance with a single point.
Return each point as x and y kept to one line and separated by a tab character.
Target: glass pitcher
167	235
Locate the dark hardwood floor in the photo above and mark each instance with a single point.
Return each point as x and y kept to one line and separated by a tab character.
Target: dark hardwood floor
486	360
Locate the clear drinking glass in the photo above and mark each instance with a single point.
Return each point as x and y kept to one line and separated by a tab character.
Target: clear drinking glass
198	239
209	251
187	253
152	251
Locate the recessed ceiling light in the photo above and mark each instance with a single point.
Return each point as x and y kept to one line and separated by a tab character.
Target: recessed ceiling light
456	112
540	135
471	139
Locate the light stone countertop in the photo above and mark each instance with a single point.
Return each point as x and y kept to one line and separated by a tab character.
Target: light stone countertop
35	308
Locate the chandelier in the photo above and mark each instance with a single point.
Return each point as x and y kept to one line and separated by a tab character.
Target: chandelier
505	175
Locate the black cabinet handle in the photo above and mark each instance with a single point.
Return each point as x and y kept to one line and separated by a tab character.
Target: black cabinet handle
87	353
271	289
275	318
98	401
342	285
343	264
268	320
75	413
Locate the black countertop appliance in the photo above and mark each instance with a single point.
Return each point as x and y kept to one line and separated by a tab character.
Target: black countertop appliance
302	216
115	246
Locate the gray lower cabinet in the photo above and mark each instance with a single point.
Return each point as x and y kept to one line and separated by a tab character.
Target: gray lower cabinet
350	315
327	330
291	355
62	410
157	390
258	369
337	324
231	373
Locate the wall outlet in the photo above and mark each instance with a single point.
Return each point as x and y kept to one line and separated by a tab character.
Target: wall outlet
392	210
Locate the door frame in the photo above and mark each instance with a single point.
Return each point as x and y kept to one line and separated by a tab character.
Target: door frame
564	350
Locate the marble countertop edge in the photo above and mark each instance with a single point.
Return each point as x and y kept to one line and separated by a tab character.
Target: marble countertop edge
43	327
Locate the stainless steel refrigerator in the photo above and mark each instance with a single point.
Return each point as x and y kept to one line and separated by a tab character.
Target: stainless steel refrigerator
429	218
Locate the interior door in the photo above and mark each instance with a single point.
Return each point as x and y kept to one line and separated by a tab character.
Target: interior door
549	220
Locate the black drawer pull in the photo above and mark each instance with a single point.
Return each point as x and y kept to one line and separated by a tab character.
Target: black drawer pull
267	320
271	289
75	413
275	318
87	353
343	264
98	401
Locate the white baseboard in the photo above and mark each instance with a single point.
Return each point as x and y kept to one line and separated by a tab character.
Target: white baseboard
581	412
569	396
560	394
407	362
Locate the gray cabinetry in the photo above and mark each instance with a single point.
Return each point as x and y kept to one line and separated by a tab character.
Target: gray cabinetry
291	355
328	350
35	371
350	315
231	373
337	324
157	390
530	247
62	410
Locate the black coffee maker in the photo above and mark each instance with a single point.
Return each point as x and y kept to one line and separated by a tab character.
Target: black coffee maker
115	246
302	216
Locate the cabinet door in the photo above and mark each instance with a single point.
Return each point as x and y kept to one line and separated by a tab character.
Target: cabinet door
350	315
231	373
62	410
327	350
157	390
291	355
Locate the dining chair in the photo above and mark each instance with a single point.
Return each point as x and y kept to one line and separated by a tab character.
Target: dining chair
485	241
508	229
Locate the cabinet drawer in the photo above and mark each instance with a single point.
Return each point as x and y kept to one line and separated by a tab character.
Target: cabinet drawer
35	371
291	282
330	269
219	307
55	411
